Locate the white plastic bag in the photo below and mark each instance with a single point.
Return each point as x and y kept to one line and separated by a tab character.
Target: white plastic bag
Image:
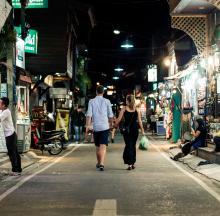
144	143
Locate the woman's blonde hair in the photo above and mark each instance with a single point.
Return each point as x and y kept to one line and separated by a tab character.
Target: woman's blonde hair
131	101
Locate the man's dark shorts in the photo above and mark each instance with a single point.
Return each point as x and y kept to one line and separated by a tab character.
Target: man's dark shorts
101	137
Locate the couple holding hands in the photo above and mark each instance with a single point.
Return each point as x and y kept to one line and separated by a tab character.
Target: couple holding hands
100	113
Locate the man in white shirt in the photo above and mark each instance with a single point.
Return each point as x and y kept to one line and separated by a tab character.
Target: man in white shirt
100	111
10	136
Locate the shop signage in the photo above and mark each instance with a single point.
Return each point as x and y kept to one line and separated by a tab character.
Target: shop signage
38	113
62	121
154	86
3	91
58	93
152	73
20	54
31	4
31	41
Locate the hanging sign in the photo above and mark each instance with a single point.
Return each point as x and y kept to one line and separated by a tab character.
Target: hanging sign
4	91
20	55
31	41
152	73
154	86
31	4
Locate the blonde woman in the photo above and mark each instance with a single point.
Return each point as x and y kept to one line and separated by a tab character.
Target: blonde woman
132	118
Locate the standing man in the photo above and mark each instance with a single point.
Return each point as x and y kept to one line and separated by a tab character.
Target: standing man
78	123
100	112
10	136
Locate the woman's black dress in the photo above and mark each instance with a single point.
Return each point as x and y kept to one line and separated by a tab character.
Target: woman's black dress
130	138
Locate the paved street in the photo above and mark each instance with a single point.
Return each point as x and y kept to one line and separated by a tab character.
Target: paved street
72	186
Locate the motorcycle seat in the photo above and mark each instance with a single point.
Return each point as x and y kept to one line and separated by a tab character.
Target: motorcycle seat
44	142
53	132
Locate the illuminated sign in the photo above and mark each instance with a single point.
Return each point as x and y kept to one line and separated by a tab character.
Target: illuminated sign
154	86
31	4
152	73
31	41
20	54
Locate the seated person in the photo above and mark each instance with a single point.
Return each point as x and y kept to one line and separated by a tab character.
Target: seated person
199	137
199	133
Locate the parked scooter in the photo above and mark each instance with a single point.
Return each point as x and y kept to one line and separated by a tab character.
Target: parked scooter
51	141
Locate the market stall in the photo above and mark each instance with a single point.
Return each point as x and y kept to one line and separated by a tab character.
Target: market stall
61	106
23	118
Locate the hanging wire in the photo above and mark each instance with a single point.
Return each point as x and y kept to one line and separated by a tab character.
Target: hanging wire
138	49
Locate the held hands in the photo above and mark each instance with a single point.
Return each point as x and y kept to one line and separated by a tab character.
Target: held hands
115	125
112	127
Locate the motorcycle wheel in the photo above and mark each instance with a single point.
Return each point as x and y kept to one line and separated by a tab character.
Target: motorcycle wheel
57	149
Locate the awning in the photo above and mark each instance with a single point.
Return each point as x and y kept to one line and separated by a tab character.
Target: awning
175	76
180	74
26	79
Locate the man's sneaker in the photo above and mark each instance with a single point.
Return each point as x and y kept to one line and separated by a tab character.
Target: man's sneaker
101	168
97	166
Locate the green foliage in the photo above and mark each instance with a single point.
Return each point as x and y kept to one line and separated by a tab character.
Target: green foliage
7	39
83	81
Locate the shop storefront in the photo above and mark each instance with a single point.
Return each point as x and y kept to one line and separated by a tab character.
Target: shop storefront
61	105
165	91
23	116
193	83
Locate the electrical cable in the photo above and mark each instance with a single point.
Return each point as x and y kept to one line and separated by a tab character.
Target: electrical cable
138	49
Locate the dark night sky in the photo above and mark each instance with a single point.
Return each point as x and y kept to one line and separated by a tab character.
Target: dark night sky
140	21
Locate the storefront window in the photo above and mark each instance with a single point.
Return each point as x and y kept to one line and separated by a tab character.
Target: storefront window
22	102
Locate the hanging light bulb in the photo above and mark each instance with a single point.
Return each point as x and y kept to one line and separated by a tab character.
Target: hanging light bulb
127	45
167	62
116	31
115	78
118	69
